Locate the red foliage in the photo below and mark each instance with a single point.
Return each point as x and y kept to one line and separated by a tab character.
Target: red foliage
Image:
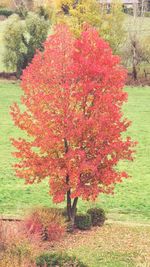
55	231
45	224
33	224
73	94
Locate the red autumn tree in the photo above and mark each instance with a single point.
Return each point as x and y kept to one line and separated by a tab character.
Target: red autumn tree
73	97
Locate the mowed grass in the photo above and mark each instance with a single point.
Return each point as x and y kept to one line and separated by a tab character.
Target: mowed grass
131	199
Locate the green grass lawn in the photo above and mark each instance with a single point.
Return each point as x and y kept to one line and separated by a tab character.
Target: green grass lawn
131	200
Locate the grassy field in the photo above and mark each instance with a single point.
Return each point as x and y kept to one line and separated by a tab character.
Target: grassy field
131	200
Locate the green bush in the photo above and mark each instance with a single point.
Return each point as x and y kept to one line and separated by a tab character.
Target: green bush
37	28
97	215
57	259
15	49
5	12
83	221
21	39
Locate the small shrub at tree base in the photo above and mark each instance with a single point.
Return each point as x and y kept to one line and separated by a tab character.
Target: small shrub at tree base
57	259
83	221
97	215
46	223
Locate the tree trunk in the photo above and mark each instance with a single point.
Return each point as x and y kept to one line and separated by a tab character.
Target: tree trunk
134	72
71	207
71	211
134	61
145	73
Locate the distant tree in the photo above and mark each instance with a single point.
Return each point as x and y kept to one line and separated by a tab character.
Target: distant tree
109	22
22	38
136	54
28	4
73	97
14	47
46	6
136	50
22	10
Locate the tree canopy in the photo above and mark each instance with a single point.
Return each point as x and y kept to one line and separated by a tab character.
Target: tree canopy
73	94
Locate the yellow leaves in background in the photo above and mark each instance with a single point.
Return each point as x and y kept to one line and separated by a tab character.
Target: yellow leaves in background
5	3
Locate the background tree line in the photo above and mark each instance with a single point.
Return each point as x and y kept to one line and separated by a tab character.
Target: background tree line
27	29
